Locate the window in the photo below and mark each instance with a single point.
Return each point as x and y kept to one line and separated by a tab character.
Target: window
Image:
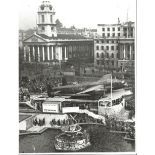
112	63
102	55
43	28
98	62
52	28
51	18
113	41
113	34
102	47
108	34
107	56
103	34
97	47
125	29
118	34
108	29
116	47
112	55
97	55
118	55
43	19
112	48
113	29
118	28
97	41
107	47
102	41
103	29
107	41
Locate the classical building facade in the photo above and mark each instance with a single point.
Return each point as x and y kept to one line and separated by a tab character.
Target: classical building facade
46	45
114	45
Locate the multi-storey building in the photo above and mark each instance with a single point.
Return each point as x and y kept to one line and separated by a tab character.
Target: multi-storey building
114	46
46	45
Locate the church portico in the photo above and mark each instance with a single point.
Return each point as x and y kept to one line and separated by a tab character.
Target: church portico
47	46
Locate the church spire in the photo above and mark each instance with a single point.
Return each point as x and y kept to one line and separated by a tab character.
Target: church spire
46	21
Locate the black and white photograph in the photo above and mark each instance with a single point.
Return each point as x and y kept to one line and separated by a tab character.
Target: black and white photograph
77	71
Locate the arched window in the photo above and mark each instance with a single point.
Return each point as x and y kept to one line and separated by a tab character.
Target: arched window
107	55
42	18
97	55
102	55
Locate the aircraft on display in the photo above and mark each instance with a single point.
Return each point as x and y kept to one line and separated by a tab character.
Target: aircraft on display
104	96
90	90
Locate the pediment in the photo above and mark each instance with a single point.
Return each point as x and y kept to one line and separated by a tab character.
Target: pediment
34	39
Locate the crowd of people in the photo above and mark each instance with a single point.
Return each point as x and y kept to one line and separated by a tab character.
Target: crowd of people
39	84
124	126
39	122
68	121
84	118
111	123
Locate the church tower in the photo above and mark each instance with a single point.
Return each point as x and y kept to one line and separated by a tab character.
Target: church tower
46	21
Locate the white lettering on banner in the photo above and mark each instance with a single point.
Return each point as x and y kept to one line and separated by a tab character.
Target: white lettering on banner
51	108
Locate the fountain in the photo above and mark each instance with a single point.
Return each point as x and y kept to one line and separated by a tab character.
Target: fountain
72	139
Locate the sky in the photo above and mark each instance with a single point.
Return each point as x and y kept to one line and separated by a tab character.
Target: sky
80	13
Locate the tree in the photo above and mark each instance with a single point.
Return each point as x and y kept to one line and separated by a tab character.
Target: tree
58	23
72	27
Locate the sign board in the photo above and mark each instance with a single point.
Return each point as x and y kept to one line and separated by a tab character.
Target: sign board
70	109
53	108
69	73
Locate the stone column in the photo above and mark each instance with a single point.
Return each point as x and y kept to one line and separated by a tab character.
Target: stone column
124	52
33	49
54	53
24	56
29	54
48	53
130	52
52	57
65	53
60	53
38	54
43	53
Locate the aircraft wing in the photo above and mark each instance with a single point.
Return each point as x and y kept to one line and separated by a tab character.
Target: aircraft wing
95	88
103	80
